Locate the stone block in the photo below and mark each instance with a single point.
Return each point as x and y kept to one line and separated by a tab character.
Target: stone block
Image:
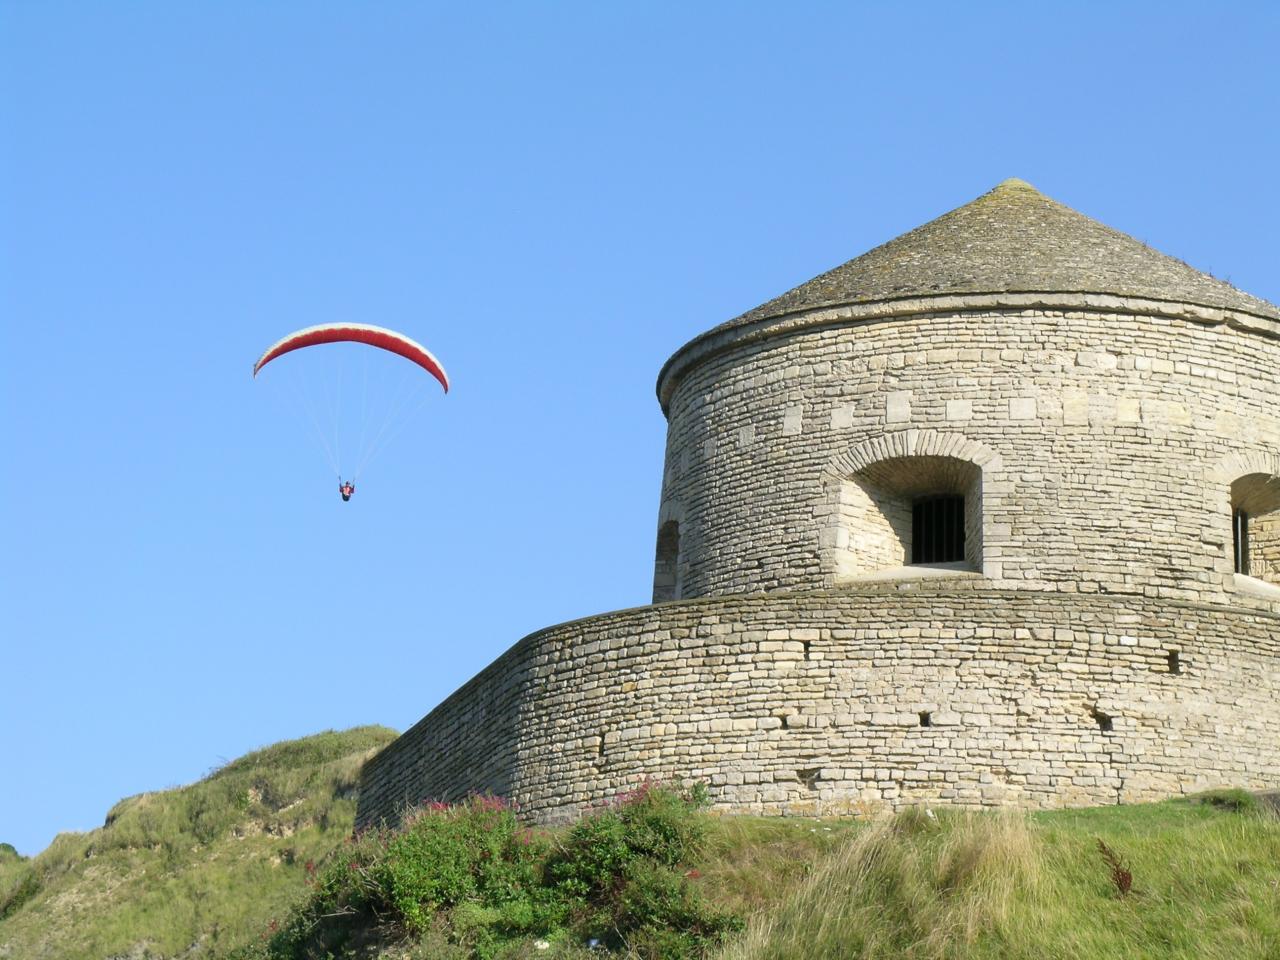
1022	408
898	406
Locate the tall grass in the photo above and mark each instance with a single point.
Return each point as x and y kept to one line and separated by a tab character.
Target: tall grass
1205	884
915	886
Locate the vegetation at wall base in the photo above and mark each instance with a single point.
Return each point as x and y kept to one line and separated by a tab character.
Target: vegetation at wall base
652	878
198	873
470	880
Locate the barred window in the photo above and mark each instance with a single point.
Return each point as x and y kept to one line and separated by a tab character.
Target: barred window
937	530
1255	527
1240	540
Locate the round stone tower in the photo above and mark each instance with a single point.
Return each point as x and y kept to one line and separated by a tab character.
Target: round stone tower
988	515
1067	409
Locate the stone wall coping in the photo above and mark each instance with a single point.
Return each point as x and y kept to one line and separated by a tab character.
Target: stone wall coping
935	588
725	338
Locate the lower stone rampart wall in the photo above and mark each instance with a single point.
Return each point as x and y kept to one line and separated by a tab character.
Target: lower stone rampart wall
847	702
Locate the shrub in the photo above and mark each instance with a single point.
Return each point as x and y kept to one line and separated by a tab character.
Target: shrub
472	876
475	852
659	914
653	823
619	870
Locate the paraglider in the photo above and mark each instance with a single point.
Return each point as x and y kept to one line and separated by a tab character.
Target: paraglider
381	338
356	333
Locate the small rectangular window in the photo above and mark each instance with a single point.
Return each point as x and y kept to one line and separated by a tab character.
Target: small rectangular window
1104	721
1240	541
937	530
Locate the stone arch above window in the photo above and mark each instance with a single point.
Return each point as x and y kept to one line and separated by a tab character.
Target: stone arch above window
1255	516
905	504
906	443
668	572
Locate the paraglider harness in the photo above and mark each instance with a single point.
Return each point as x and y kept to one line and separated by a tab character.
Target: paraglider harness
346	488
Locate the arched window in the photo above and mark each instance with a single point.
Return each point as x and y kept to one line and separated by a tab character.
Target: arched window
1255	526
914	511
905	504
666	567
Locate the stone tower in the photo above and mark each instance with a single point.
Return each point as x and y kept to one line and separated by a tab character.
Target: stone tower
988	515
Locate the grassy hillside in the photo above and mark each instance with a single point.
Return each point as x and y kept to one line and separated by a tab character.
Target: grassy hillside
189	872
256	861
1189	879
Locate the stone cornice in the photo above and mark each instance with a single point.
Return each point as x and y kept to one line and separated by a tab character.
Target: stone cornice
729	336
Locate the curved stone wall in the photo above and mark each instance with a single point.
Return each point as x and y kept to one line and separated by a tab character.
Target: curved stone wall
836	701
937	534
1104	430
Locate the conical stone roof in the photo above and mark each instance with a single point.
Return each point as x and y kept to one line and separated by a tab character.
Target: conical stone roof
1011	240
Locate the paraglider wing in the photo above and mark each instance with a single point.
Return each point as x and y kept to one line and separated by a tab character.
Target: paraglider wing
357	333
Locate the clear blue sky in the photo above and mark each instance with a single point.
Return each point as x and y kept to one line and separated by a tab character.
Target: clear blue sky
553	197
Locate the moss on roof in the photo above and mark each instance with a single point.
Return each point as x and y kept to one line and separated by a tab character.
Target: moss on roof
1012	240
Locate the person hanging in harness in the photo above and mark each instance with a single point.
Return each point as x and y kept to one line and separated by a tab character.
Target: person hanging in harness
346	488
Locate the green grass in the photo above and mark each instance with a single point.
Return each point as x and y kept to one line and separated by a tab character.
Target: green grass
204	865
751	861
1205	885
201	871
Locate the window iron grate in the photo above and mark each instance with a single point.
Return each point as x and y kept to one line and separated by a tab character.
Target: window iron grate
1240	541
937	530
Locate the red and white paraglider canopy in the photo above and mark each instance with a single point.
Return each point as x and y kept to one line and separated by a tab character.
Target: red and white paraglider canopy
334	421
379	337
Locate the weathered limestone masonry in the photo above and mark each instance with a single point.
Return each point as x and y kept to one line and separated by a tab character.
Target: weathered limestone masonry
1098	622
857	700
